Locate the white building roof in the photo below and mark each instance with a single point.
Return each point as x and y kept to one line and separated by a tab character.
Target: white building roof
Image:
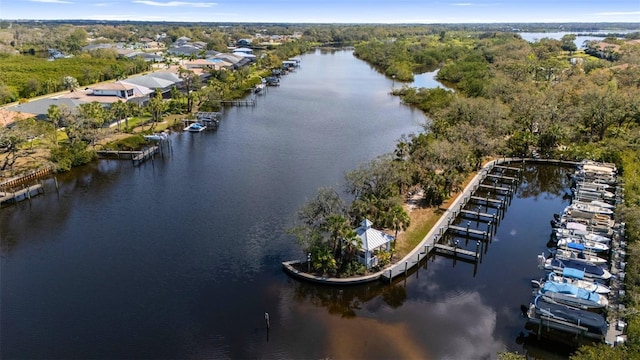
371	238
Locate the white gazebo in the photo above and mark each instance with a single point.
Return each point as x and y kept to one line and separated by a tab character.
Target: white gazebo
372	241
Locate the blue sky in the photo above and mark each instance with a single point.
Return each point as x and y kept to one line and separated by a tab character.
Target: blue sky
327	11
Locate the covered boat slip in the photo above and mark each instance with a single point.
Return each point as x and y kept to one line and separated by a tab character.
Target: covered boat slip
587	266
546	314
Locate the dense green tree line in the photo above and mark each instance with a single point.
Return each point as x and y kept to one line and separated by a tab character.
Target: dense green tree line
24	77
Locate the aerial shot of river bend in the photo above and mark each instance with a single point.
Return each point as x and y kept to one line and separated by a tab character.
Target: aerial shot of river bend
181	257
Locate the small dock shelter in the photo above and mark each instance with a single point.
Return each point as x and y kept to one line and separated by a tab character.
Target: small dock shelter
372	241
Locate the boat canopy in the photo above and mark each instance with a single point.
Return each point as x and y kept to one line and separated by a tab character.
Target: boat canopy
573	273
575	246
551	287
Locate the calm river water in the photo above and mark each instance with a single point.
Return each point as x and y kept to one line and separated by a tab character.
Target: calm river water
181	257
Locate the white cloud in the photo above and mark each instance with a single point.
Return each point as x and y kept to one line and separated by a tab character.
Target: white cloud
52	1
176	4
462	4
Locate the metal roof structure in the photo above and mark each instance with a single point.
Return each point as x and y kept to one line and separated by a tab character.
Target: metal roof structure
371	238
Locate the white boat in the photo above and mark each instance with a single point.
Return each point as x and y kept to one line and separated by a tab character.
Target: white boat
576	277
589	208
591	271
157	136
195	127
571	295
588	244
583	235
602	204
569	253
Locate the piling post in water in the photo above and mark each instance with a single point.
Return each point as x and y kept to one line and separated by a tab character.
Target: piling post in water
266	320
406	264
390	276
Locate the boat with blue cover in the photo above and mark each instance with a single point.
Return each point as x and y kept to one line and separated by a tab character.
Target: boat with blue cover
548	314
576	277
572	295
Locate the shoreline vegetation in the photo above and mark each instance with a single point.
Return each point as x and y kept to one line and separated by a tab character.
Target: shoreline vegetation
544	99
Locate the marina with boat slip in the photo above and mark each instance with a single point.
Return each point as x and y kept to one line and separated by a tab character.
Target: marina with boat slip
561	310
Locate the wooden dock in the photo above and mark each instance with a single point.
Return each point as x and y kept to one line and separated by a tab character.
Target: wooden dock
496	188
508	178
508	168
251	102
469	232
144	155
137	157
456	251
488	200
477	214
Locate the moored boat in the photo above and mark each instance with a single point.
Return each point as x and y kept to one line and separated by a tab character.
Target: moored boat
575	251
157	136
576	277
587	244
572	295
591	271
195	127
551	315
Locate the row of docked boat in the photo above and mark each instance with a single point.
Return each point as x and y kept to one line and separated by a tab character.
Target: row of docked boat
573	297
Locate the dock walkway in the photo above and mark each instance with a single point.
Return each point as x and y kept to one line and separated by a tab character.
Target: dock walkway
136	156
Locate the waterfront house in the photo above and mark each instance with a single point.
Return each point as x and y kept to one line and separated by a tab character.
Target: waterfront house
373	241
39	108
156	81
111	92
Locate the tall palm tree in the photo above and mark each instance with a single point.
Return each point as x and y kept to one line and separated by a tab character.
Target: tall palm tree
399	220
119	111
54	114
337	226
350	245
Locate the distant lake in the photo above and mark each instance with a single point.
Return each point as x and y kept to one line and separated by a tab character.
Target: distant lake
580	39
